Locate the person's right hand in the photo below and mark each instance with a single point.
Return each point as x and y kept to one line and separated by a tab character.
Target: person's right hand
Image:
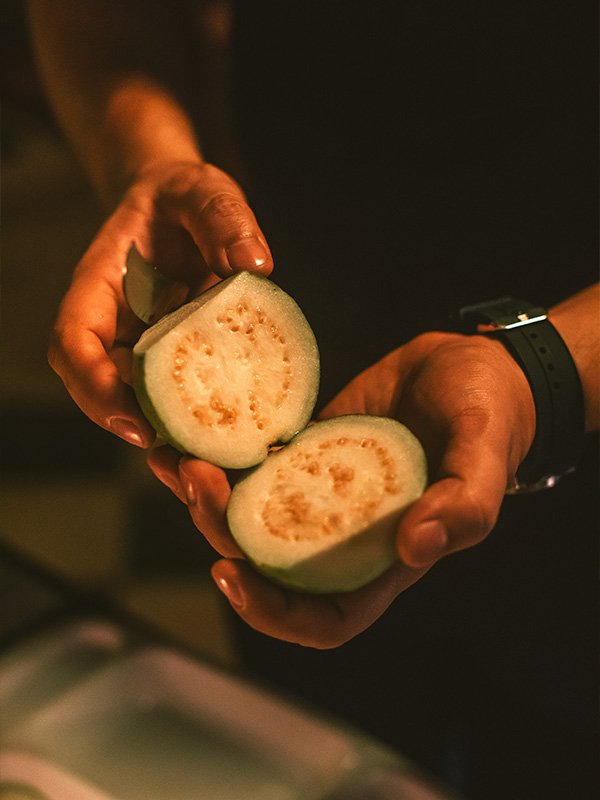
192	221
468	402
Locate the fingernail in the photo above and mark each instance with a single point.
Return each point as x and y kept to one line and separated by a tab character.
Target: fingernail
126	430
429	542
232	592
248	253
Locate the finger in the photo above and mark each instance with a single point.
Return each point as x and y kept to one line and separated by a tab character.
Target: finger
164	460
318	621
213	209
83	334
207	492
122	357
460	508
93	381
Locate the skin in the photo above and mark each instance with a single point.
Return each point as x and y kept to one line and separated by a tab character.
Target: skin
464	397
470	405
137	143
182	216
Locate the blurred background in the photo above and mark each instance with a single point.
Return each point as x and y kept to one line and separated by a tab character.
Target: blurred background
485	673
78	501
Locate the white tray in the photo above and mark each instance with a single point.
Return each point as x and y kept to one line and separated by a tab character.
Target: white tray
39	670
158	726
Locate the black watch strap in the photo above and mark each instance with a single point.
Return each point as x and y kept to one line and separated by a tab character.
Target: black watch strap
538	348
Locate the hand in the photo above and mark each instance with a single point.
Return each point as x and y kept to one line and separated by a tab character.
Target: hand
471	407
192	221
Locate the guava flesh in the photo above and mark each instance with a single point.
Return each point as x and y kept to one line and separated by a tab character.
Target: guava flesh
321	514
229	374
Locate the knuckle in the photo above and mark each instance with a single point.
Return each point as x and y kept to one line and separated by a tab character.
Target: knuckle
227	208
482	517
178	179
214	180
186	184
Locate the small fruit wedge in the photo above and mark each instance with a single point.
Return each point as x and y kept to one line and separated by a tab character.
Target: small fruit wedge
321	513
229	374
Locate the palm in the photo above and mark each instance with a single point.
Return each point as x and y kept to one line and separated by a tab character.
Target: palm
439	385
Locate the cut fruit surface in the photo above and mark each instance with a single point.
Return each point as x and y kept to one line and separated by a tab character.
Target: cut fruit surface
229	374
321	513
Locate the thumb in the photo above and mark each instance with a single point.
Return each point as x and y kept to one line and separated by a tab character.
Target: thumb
460	508
213	209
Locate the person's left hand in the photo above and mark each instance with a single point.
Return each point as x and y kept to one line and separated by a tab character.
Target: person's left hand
470	405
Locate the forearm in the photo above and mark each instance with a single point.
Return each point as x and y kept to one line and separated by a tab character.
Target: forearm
111	86
578	322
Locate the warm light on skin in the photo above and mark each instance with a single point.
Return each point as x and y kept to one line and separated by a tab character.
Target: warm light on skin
120	120
162	130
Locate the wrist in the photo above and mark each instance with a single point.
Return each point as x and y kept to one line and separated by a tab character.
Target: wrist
143	129
537	347
578	322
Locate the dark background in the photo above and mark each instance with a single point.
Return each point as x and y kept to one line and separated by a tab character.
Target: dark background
406	159
403	159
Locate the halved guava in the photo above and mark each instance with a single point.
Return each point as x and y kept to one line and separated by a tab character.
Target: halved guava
321	513
229	374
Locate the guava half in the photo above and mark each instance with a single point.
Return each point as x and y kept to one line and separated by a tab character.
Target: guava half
229	374
321	513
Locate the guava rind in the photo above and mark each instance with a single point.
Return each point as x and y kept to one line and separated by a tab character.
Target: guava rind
332	565
147	406
229	448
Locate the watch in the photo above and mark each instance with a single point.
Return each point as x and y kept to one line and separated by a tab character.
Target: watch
536	345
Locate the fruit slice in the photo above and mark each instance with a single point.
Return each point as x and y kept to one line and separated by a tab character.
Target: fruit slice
230	373
321	513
